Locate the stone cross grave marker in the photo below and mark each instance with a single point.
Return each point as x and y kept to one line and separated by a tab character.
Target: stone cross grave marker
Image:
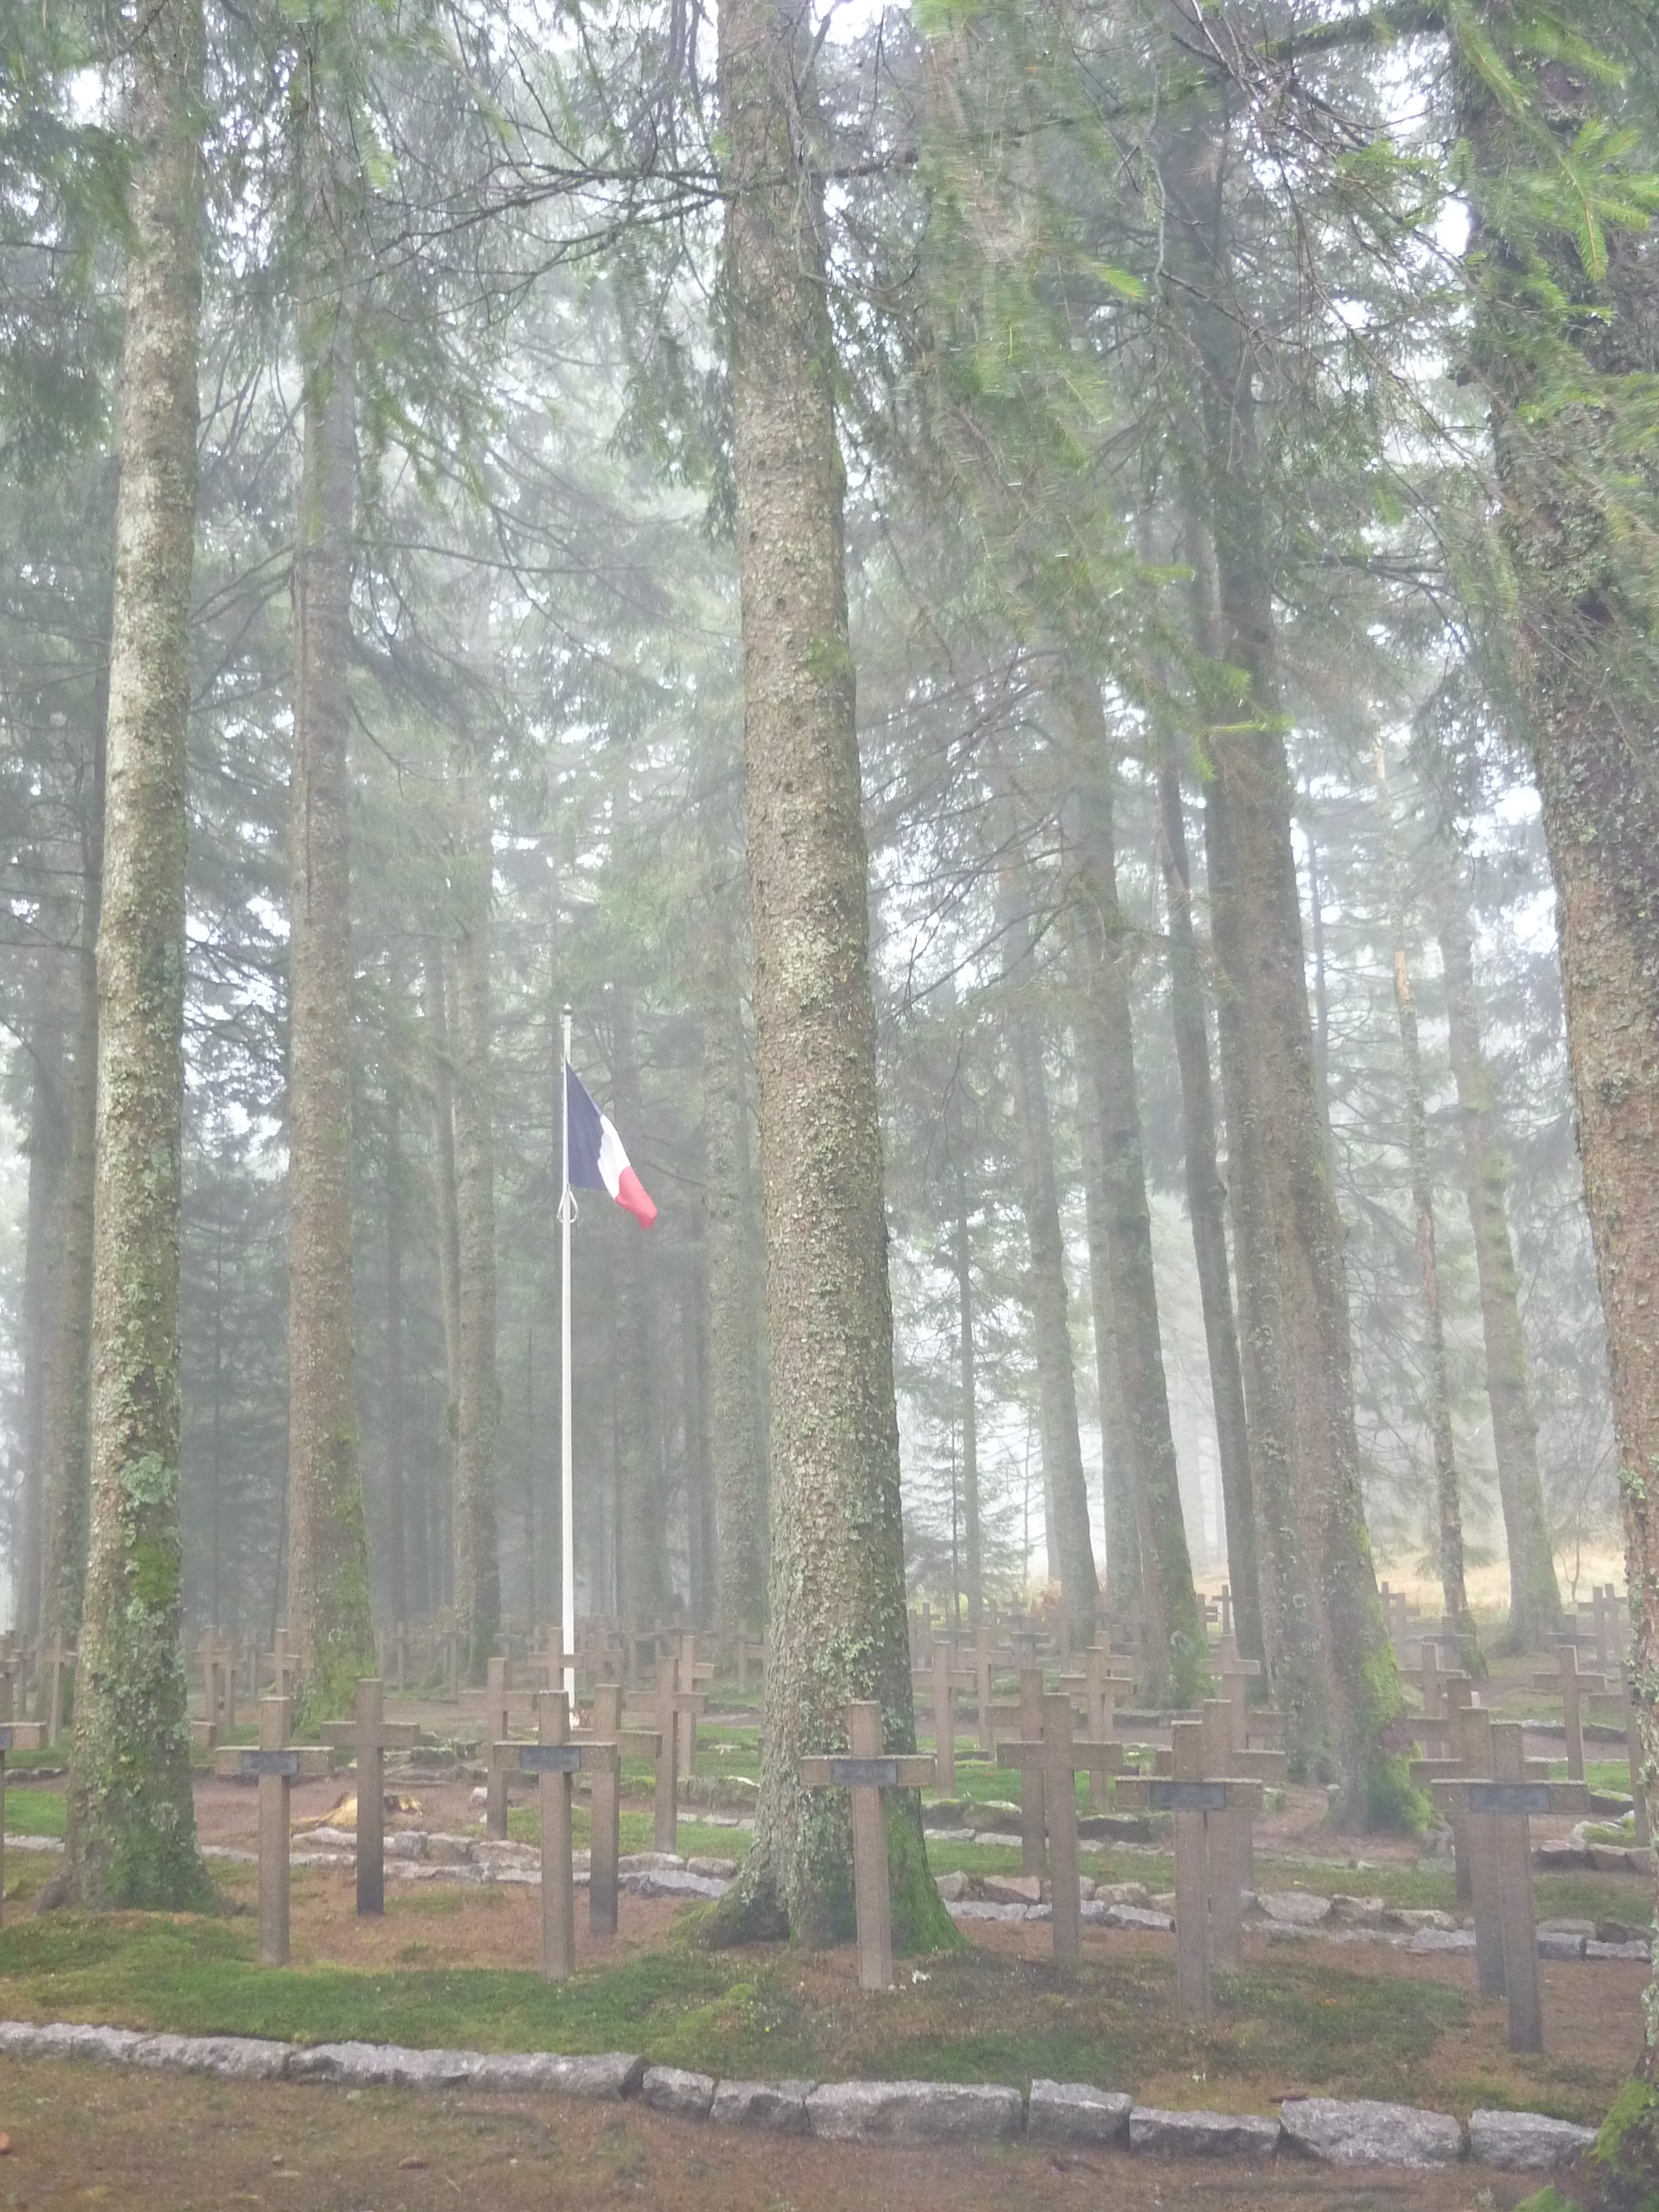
940	1681
548	1662
1099	1691
218	1660
15	1736
1619	1705
1232	1832
371	1735
1051	1757
1566	1680
1226	1603
279	1765
604	1807
502	1705
1196	1799
864	1771
1510	1800
556	1758
751	1653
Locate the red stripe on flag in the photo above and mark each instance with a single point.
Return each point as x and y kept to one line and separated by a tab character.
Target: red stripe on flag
631	1193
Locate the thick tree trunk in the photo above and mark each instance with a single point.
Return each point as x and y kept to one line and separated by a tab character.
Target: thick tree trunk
837	1570
1122	1586
962	1262
131	1838
733	1424
1070	1548
436	993
1206	1209
477	1389
1534	1594
1577	646
69	1360
329	1615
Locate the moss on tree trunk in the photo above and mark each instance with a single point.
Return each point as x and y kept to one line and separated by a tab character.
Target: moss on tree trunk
837	1568
131	1825
328	1600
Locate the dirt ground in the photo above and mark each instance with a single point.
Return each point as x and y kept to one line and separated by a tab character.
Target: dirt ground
84	2135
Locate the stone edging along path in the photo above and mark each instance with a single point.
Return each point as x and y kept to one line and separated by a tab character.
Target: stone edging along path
1342	2132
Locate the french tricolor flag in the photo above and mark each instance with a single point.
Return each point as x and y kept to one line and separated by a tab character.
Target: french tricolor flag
597	1160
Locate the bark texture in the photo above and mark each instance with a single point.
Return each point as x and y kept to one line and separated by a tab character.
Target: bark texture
837	1569
1175	1648
329	1615
131	1826
69	1351
47	1147
1534	1594
478	1388
1581	655
1207	1209
733	1412
1123	1586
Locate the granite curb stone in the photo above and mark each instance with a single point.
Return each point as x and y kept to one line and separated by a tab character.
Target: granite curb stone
1363	2132
1075	2111
773	2107
915	2111
1201	2134
672	2089
1526	2142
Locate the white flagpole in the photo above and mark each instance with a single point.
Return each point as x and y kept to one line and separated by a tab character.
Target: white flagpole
566	1476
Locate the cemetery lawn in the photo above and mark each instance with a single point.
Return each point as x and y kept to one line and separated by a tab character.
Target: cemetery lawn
443	1968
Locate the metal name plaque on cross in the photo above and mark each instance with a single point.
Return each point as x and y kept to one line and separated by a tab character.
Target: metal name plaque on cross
1508	1797
867	1773
269	1762
550	1758
1188	1796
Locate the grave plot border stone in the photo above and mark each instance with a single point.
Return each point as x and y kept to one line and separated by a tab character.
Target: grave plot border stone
1364	2131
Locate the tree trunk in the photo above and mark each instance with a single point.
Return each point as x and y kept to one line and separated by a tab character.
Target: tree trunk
1449	1509
47	1146
1258	907
435	992
734	1426
962	1262
1207	1202
1577	644
1175	1648
329	1615
1122	1590
837	1569
132	1839
397	1450
478	1390
1534	1594
1070	1548
68	1364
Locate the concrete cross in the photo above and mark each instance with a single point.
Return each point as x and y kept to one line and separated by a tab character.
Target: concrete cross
864	1771
15	1736
1226	1752
279	1765
1049	1759
1565	1678
555	1758
752	1652
218	1660
940	1681
1509	1800
1226	1613
695	1675
501	1704
1197	1799
370	1735
673	1700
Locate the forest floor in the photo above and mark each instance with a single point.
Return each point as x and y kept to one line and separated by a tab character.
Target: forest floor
84	2135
